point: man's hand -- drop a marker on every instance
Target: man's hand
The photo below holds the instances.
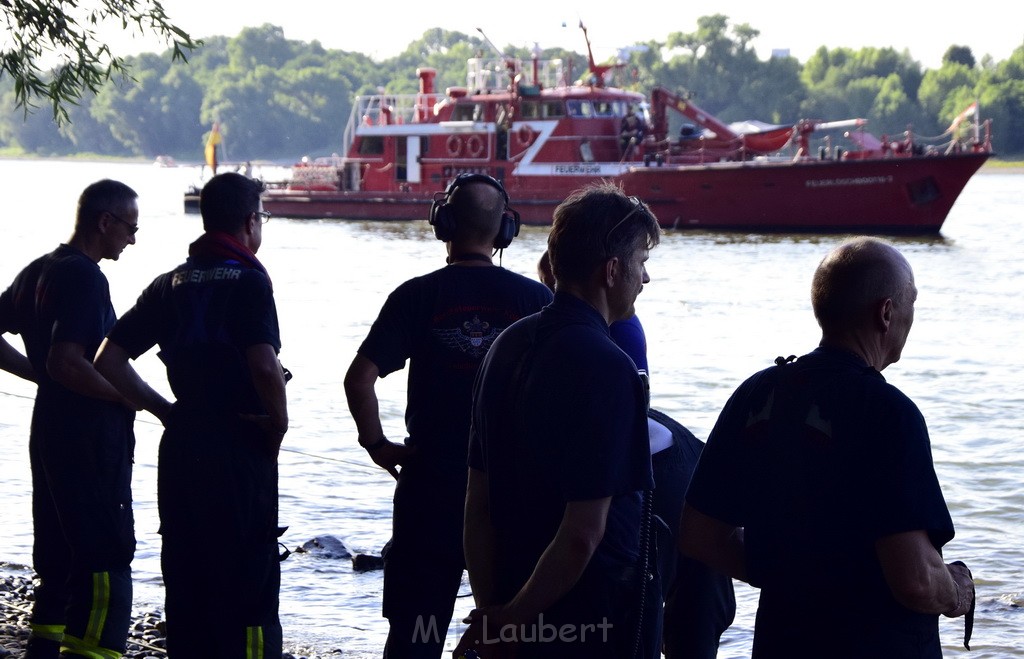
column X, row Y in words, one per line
column 483, row 635
column 273, row 431
column 387, row 454
column 964, row 589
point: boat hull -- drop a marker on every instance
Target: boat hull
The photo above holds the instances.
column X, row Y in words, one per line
column 883, row 195
column 879, row 195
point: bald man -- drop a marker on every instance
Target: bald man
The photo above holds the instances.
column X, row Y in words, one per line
column 817, row 484
column 443, row 323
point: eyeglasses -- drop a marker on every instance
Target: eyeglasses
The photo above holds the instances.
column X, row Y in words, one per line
column 132, row 228
column 264, row 216
column 638, row 207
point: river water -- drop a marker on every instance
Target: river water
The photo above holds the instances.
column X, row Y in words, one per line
column 719, row 306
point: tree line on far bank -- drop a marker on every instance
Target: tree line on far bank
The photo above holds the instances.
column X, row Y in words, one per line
column 279, row 99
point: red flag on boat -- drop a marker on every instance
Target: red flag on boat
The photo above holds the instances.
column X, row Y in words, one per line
column 969, row 112
column 211, row 147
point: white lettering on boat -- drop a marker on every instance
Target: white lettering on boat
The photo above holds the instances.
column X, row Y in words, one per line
column 576, row 169
column 859, row 180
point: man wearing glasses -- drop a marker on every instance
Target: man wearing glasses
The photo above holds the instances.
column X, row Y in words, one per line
column 81, row 441
column 559, row 455
column 215, row 321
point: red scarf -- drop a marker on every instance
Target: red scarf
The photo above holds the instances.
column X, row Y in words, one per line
column 221, row 246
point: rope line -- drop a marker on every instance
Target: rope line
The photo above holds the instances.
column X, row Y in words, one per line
column 351, row 463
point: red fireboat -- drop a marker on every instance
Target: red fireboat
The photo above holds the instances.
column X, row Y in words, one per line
column 543, row 137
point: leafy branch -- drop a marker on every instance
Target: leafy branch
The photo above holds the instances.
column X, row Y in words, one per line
column 39, row 31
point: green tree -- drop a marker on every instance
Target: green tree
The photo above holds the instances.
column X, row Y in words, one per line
column 959, row 55
column 85, row 134
column 892, row 109
column 777, row 91
column 155, row 113
column 264, row 45
column 878, row 84
column 643, row 67
column 441, row 49
column 1000, row 93
column 725, row 77
column 939, row 86
column 38, row 28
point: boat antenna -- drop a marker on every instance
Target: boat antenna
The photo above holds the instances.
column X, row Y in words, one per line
column 596, row 72
column 510, row 63
column 590, row 52
column 491, row 44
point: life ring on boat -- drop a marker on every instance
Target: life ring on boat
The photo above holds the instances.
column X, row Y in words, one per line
column 454, row 145
column 525, row 135
column 474, row 146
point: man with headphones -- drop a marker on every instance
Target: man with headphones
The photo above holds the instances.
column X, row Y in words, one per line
column 443, row 323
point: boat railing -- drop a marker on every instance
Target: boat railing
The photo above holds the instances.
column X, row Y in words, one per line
column 958, row 138
column 963, row 135
column 386, row 109
column 852, row 144
column 696, row 150
column 483, row 75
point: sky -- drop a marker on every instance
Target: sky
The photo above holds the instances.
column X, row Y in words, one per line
column 383, row 29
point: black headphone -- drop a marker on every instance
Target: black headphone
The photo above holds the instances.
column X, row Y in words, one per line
column 442, row 217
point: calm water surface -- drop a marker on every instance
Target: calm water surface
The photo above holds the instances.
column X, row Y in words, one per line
column 719, row 306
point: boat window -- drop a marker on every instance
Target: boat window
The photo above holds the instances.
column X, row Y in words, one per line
column 371, row 145
column 553, row 109
column 468, row 112
column 578, row 108
column 604, row 108
column 529, row 110
column 586, row 152
column 401, row 152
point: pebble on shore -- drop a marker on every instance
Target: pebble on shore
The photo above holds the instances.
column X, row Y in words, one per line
column 145, row 636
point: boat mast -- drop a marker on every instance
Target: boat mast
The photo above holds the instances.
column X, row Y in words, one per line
column 510, row 62
column 596, row 72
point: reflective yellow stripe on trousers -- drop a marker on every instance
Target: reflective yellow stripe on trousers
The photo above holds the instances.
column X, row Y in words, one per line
column 254, row 643
column 49, row 632
column 100, row 607
column 90, row 645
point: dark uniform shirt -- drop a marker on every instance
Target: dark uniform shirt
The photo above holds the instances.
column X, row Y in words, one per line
column 559, row 415
column 444, row 323
column 62, row 296
column 204, row 314
column 817, row 460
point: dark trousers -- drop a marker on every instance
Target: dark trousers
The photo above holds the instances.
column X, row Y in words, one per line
column 83, row 528
column 217, row 487
column 423, row 563
column 221, row 604
column 699, row 603
column 606, row 615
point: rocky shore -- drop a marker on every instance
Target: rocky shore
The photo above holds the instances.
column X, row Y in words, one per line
column 145, row 637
